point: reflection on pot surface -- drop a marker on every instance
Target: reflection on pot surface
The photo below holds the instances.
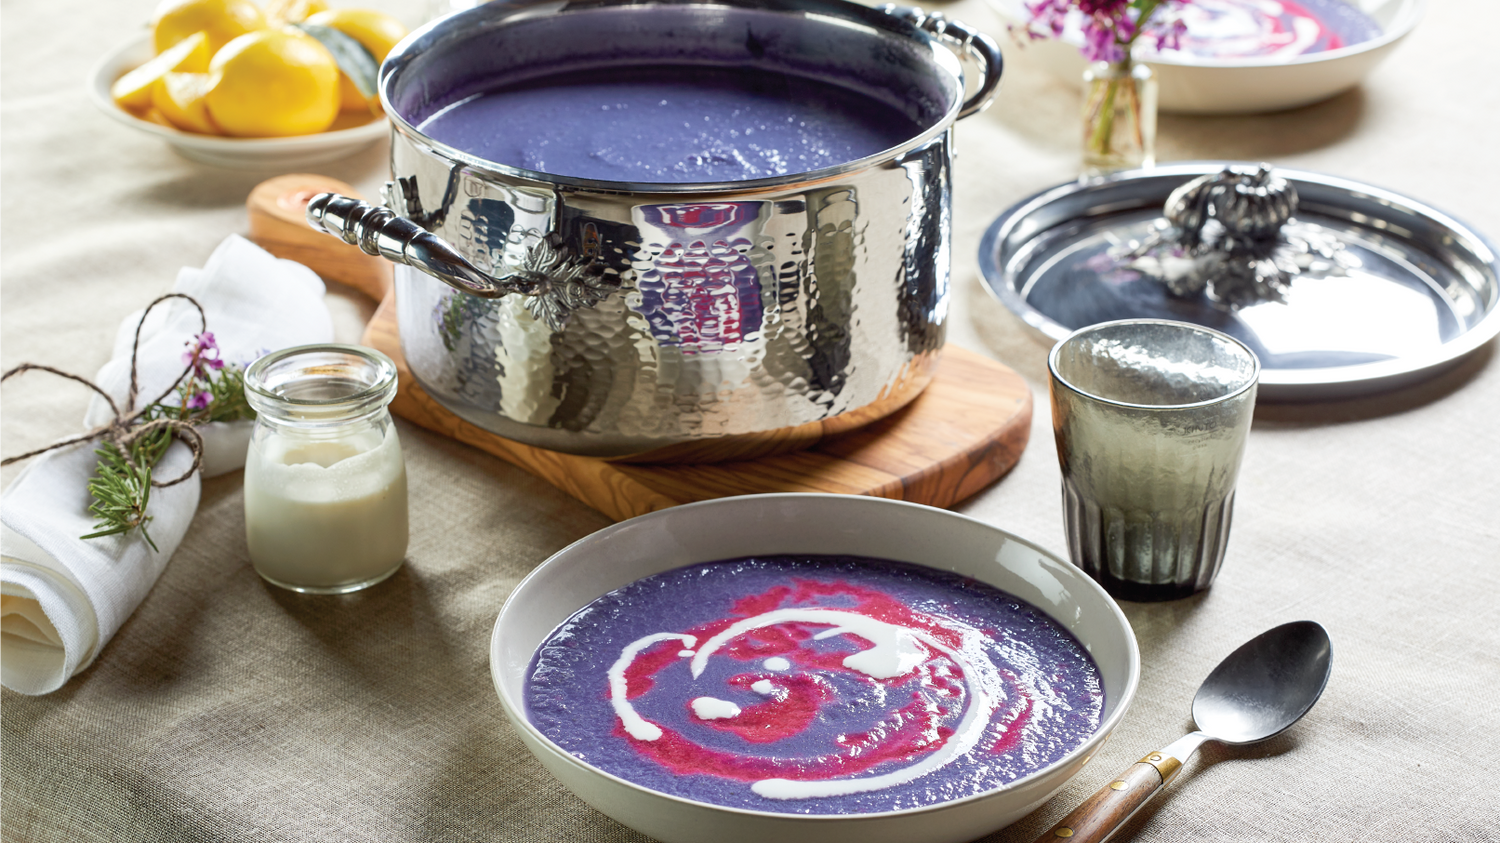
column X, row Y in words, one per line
column 702, row 291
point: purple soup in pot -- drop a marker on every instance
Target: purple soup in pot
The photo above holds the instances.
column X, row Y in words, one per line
column 814, row 685
column 671, row 124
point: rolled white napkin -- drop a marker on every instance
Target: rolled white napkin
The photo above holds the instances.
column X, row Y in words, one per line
column 61, row 597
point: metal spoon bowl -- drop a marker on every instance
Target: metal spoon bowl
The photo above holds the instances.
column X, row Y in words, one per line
column 1255, row 693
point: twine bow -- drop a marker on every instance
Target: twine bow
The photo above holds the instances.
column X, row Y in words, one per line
column 123, row 431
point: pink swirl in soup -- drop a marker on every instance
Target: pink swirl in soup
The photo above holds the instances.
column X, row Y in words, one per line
column 1241, row 29
column 817, row 685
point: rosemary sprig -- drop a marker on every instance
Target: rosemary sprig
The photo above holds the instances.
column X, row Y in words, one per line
column 213, row 391
column 121, row 491
column 227, row 400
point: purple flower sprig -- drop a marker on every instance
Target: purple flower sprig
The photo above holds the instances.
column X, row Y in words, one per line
column 1110, row 27
column 211, row 389
column 202, row 355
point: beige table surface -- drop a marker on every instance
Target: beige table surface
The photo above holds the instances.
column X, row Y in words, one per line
column 228, row 710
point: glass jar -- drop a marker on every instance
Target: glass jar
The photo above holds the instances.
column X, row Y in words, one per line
column 325, row 483
column 1119, row 117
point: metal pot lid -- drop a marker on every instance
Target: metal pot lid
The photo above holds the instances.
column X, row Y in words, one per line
column 1392, row 293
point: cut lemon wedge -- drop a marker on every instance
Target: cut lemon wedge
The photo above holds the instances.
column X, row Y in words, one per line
column 180, row 97
column 154, row 115
column 132, row 91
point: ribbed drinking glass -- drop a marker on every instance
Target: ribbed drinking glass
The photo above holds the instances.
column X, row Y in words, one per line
column 1151, row 418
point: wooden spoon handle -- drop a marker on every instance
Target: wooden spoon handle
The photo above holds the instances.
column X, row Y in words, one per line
column 1099, row 815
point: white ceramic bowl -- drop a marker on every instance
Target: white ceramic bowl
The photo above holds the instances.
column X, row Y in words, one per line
column 807, row 524
column 282, row 154
column 1191, row 85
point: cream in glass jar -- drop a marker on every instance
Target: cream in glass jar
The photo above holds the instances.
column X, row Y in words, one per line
column 325, row 483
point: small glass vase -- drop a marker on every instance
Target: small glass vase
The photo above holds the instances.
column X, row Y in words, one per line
column 1119, row 117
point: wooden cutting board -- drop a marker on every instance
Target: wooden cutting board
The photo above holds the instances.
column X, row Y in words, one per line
column 965, row 431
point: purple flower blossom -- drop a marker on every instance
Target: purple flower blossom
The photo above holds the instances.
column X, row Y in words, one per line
column 1109, row 27
column 1052, row 14
column 201, row 343
column 200, row 400
column 1099, row 44
column 203, row 354
column 1109, row 8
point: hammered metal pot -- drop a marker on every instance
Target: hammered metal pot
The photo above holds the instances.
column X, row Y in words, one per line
column 694, row 322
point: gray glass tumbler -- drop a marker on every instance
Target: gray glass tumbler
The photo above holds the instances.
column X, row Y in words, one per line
column 1151, row 418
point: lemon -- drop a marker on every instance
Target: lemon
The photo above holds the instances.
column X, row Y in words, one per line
column 223, row 20
column 152, row 115
column 180, row 97
column 273, row 83
column 133, row 90
column 282, row 12
column 376, row 32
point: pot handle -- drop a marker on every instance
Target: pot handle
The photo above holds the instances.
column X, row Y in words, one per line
column 965, row 40
column 380, row 231
column 555, row 280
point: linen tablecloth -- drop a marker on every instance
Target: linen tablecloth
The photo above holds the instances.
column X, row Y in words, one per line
column 226, row 709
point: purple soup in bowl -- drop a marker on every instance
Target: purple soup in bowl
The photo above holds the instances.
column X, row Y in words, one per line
column 791, row 628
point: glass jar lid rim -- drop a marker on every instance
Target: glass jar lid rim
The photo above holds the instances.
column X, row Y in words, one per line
column 383, row 382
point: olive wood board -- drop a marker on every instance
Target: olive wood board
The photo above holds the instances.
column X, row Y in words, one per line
column 962, row 433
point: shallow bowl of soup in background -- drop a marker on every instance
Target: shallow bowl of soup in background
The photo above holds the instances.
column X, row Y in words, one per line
column 807, row 525
column 1282, row 79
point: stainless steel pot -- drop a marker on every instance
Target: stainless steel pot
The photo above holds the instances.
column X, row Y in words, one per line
column 672, row 321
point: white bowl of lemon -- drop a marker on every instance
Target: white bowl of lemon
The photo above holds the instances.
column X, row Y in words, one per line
column 229, row 84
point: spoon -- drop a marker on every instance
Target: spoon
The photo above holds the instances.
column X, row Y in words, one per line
column 1255, row 693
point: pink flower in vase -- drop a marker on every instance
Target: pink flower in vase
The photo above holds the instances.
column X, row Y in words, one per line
column 1119, row 120
column 1109, row 27
column 1102, row 7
